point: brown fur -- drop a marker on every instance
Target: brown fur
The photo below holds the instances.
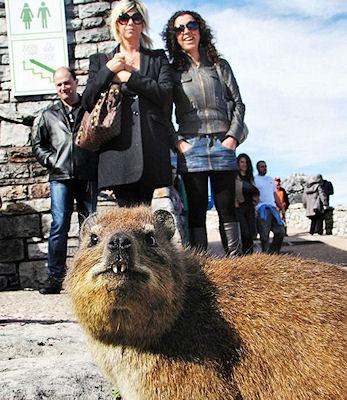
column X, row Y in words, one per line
column 179, row 326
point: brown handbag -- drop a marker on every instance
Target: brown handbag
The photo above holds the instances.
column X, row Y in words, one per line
column 103, row 123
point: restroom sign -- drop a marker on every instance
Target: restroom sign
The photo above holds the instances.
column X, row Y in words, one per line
column 37, row 44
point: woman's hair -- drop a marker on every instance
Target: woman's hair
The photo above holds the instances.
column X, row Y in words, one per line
column 123, row 6
column 249, row 171
column 179, row 58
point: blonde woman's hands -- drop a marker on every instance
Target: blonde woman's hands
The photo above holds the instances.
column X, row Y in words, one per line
column 116, row 63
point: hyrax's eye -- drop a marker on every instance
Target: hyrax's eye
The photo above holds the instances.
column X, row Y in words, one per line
column 151, row 240
column 93, row 240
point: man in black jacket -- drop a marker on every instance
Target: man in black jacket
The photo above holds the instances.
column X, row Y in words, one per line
column 72, row 172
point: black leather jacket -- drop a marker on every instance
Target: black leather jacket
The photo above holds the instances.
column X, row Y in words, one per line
column 54, row 146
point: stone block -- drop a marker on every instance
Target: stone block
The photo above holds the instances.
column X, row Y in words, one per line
column 9, row 112
column 74, row 24
column 3, row 156
column 84, row 50
column 32, row 273
column 18, row 192
column 82, row 79
column 83, row 65
column 14, row 171
column 6, row 85
column 20, row 226
column 94, row 9
column 106, row 47
column 3, row 26
column 39, row 190
column 74, row 227
column 8, row 269
column 38, row 251
column 5, row 59
column 3, row 41
column 11, row 250
column 5, row 74
column 21, row 155
column 37, row 170
column 14, row 134
column 4, row 96
column 32, row 108
column 91, row 35
column 72, row 246
column 39, row 205
column 92, row 22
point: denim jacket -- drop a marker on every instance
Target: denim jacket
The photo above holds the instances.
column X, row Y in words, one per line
column 201, row 107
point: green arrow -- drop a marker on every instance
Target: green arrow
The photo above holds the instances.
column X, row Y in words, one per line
column 49, row 69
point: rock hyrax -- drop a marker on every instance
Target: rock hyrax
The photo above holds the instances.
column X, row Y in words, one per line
column 169, row 324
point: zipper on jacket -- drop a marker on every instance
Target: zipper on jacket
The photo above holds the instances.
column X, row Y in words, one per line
column 204, row 97
column 206, row 117
column 71, row 143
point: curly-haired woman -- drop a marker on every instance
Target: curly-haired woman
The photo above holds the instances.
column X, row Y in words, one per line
column 208, row 133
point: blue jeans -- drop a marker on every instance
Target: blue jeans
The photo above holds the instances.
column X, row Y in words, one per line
column 63, row 194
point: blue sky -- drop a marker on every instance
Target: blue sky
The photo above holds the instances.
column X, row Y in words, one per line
column 290, row 60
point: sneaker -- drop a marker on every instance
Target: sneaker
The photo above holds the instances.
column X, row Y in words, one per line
column 51, row 286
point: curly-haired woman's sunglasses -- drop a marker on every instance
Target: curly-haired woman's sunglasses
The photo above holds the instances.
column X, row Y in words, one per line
column 137, row 18
column 191, row 26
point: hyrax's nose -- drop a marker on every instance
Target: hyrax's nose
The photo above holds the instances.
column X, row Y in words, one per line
column 119, row 241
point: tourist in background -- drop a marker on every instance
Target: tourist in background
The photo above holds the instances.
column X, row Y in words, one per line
column 247, row 196
column 283, row 197
column 316, row 202
column 207, row 136
column 282, row 194
column 72, row 172
column 135, row 163
column 328, row 189
column 268, row 218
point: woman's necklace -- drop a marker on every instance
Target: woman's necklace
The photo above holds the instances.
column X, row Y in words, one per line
column 133, row 59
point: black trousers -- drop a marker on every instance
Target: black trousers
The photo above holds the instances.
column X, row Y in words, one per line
column 317, row 224
column 133, row 194
column 223, row 187
column 246, row 216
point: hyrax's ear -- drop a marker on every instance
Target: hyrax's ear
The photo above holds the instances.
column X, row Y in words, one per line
column 164, row 220
column 87, row 223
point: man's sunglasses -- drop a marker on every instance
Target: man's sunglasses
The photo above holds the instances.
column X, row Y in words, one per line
column 191, row 26
column 137, row 18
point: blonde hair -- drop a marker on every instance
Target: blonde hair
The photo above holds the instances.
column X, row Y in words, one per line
column 124, row 6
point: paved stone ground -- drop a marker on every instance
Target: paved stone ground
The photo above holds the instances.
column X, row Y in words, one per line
column 44, row 354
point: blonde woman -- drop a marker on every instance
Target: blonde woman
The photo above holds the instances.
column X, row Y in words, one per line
column 138, row 161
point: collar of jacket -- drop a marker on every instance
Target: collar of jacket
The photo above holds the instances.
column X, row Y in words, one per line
column 144, row 58
column 58, row 105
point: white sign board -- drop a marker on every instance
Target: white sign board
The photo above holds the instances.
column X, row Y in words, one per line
column 37, row 44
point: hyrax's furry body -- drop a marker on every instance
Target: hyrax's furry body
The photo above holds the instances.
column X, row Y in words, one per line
column 167, row 324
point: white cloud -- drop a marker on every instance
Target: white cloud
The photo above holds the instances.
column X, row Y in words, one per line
column 317, row 8
column 292, row 76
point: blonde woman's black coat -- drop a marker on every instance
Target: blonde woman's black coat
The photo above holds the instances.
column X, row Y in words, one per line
column 141, row 152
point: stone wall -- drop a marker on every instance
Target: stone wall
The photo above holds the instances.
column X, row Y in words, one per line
column 297, row 220
column 24, row 190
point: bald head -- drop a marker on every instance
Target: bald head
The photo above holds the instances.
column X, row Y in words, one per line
column 66, row 85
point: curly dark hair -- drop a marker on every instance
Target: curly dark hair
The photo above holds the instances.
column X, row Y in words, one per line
column 179, row 58
column 249, row 171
